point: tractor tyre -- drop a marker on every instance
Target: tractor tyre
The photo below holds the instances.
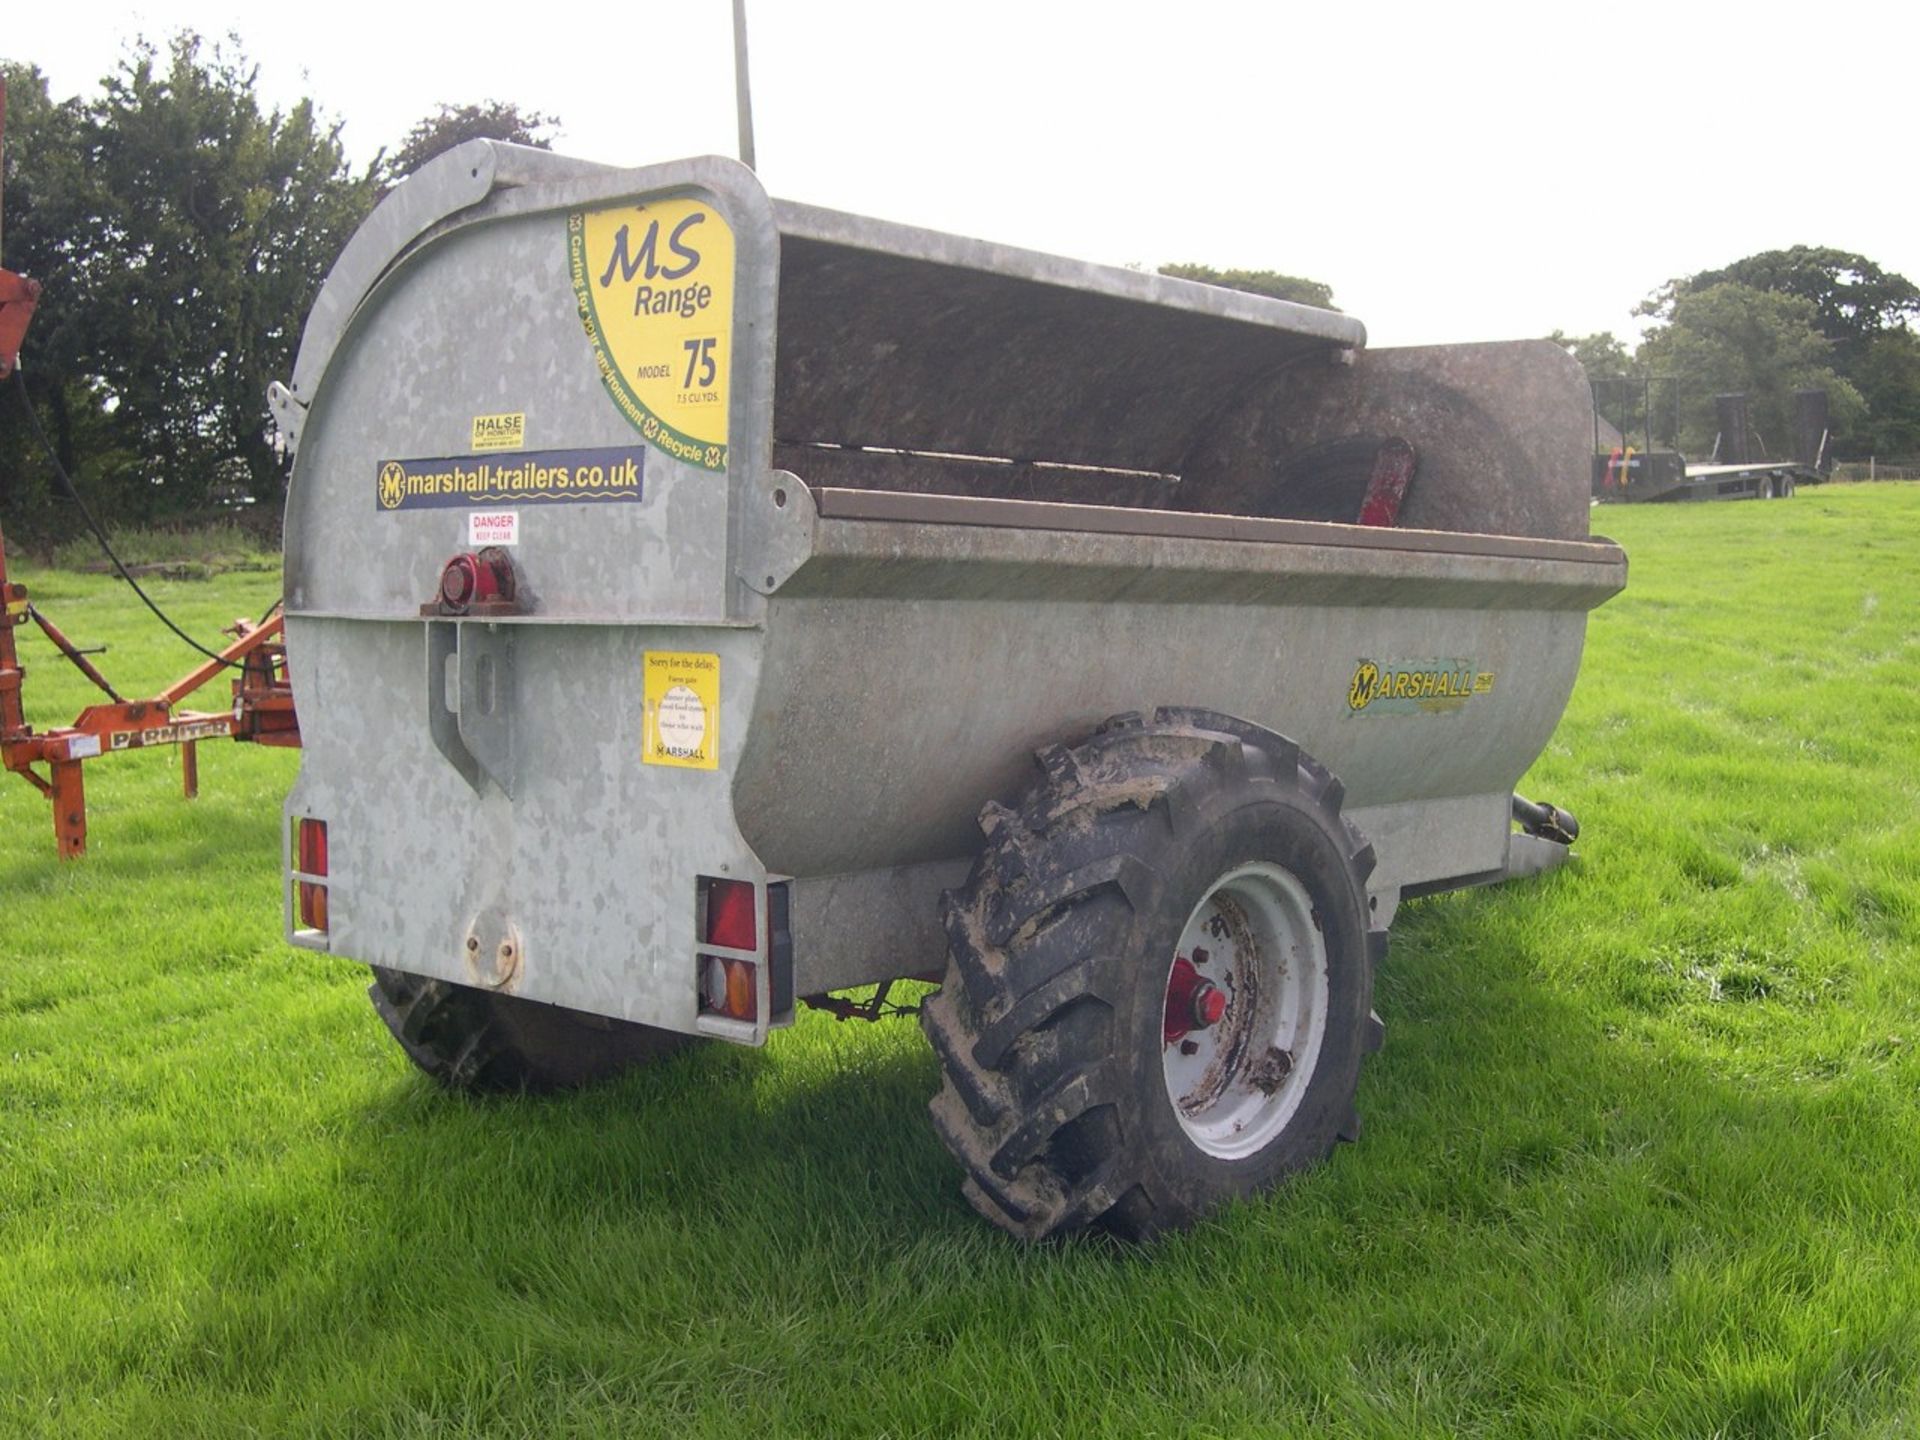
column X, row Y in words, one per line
column 1159, row 983
column 472, row 1039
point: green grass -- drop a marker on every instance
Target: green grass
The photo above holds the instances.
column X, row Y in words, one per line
column 1641, row 1152
column 193, row 551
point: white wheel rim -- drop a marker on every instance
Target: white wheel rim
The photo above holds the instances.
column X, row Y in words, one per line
column 1237, row 1083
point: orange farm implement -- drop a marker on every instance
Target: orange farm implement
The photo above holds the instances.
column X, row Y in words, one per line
column 262, row 711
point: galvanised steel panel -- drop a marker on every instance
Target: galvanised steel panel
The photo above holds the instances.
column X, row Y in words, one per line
column 911, row 712
column 591, row 864
column 880, row 677
column 428, row 351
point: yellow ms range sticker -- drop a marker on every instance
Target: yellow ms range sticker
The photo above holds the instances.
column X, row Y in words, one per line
column 655, row 287
column 681, row 718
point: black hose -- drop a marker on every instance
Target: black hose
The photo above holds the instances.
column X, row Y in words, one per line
column 66, row 483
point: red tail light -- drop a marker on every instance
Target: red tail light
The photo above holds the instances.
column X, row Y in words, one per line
column 310, row 858
column 730, row 918
column 727, row 986
column 730, row 914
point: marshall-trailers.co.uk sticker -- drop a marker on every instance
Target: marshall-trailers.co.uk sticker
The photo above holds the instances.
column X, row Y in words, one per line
column 533, row 477
column 680, row 724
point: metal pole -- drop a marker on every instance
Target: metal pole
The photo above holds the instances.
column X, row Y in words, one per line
column 67, row 648
column 742, row 95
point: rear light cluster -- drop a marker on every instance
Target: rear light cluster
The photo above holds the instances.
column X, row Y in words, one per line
column 310, row 866
column 729, row 919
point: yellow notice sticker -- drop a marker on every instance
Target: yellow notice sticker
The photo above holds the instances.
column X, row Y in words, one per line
column 499, row 432
column 654, row 284
column 680, row 724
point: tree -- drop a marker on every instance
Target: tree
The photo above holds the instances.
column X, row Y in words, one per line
column 1623, row 393
column 183, row 249
column 1863, row 312
column 1601, row 355
column 453, row 125
column 1889, row 379
column 1258, row 282
column 1730, row 338
column 42, row 173
column 215, row 225
column 1854, row 300
column 46, row 196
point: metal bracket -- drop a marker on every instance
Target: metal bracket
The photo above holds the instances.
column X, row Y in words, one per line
column 1530, row 855
column 289, row 415
column 470, row 713
column 776, row 530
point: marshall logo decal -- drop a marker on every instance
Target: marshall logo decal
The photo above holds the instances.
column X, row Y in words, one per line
column 1415, row 687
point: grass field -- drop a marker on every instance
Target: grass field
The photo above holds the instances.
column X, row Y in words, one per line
column 1641, row 1152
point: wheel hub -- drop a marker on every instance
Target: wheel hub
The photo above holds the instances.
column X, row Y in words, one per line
column 1245, row 1010
column 1193, row 1002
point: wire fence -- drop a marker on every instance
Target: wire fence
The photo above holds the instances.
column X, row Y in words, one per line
column 1877, row 469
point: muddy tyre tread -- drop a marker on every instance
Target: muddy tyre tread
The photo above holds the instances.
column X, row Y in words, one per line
column 1033, row 1098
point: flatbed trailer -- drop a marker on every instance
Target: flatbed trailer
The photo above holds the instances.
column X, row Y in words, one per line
column 1665, row 477
column 1764, row 481
column 1628, row 474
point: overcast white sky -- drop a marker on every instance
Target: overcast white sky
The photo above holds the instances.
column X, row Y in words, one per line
column 1456, row 172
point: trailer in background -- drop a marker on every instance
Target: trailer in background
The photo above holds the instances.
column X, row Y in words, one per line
column 1737, row 469
column 1633, row 477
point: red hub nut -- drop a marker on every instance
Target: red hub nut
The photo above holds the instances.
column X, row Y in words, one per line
column 1193, row 1002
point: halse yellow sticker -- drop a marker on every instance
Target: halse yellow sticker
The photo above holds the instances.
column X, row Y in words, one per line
column 654, row 283
column 499, row 432
column 680, row 721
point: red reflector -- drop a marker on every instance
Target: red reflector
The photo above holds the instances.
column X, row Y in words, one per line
column 1393, row 465
column 730, row 914
column 311, row 859
column 459, row 582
